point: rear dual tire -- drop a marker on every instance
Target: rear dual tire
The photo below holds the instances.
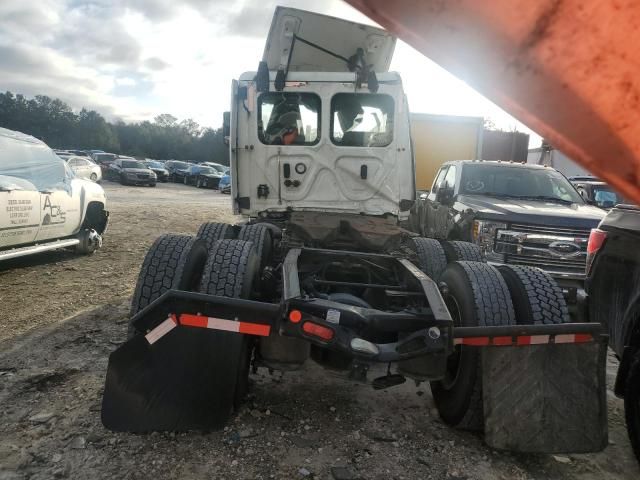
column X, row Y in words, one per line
column 479, row 294
column 231, row 271
column 211, row 232
column 456, row 250
column 476, row 295
column 430, row 257
column 172, row 262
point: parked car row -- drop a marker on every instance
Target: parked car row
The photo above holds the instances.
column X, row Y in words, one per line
column 129, row 171
column 97, row 164
column 81, row 164
column 596, row 192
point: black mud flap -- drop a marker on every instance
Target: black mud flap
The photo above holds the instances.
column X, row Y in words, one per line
column 185, row 380
column 548, row 398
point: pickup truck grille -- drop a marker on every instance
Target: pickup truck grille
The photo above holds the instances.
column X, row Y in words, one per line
column 560, row 251
column 143, row 176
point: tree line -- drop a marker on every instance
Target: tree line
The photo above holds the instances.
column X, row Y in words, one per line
column 55, row 123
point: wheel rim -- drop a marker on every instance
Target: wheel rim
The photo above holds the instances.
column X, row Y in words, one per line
column 453, row 361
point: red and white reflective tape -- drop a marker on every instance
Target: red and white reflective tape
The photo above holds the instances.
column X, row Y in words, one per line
column 213, row 323
column 227, row 325
column 521, row 340
column 161, row 330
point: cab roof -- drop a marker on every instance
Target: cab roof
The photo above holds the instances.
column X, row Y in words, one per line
column 20, row 137
column 505, row 163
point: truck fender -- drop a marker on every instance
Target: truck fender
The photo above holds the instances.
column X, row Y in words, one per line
column 628, row 354
column 631, row 325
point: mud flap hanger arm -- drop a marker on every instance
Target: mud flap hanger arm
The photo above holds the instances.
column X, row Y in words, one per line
column 177, row 302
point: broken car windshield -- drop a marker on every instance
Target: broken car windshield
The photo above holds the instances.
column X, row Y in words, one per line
column 517, row 182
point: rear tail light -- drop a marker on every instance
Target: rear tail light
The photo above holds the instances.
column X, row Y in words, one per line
column 295, row 316
column 596, row 240
column 320, row 331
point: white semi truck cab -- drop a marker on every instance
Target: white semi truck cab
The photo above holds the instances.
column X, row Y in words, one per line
column 322, row 270
column 322, row 126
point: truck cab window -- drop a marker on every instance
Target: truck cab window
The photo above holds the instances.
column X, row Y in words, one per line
column 361, row 120
column 450, row 178
column 437, row 183
column 39, row 168
column 289, row 118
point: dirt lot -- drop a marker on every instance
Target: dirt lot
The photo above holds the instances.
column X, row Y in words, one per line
column 63, row 315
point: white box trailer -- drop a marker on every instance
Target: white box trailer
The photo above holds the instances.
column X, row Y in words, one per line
column 558, row 160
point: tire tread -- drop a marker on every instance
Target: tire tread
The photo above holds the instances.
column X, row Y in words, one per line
column 546, row 303
column 431, row 256
column 210, row 232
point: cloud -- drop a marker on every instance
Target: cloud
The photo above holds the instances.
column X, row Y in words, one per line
column 38, row 71
column 155, row 63
column 135, row 58
column 95, row 33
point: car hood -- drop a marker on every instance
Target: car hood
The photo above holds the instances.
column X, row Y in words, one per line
column 531, row 211
column 211, row 175
column 158, row 170
column 136, row 170
column 91, row 190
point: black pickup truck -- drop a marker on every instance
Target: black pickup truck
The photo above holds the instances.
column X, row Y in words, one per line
column 613, row 285
column 517, row 213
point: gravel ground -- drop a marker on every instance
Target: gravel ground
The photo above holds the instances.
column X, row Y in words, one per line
column 54, row 346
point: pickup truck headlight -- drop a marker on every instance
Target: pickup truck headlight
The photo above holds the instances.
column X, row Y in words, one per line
column 153, row 175
column 484, row 233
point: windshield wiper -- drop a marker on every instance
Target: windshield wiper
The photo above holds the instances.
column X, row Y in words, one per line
column 547, row 198
column 493, row 194
column 524, row 197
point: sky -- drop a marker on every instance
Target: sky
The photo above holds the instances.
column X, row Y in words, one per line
column 135, row 59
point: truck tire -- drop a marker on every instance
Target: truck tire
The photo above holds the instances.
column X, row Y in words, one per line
column 431, row 256
column 90, row 241
column 632, row 405
column 230, row 272
column 462, row 251
column 262, row 241
column 477, row 296
column 211, row 232
column 537, row 298
column 173, row 261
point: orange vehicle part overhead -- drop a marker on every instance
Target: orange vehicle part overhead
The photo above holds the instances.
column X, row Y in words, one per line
column 568, row 69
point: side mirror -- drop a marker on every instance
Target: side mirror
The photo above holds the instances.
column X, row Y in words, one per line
column 445, row 195
column 262, row 77
column 226, row 124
